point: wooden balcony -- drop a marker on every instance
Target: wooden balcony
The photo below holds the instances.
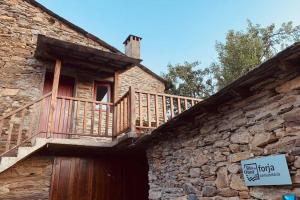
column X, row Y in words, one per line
column 60, row 117
column 135, row 112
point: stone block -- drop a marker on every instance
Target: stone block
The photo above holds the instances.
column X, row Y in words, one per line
column 289, row 85
column 240, row 137
column 237, row 183
column 240, row 156
column 297, row 162
column 222, row 180
column 194, row 172
column 197, row 160
column 234, row 168
column 227, row 192
column 9, row 92
column 263, row 139
column 209, row 191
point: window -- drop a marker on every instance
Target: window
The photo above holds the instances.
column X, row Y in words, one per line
column 102, row 92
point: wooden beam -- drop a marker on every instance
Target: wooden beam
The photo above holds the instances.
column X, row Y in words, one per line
column 54, row 97
column 115, row 97
column 116, row 86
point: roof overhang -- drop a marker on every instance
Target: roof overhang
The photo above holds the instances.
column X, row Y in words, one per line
column 82, row 56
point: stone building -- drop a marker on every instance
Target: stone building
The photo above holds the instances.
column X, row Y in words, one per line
column 70, row 107
column 79, row 119
column 197, row 154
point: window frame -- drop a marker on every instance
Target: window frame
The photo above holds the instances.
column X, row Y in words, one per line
column 109, row 91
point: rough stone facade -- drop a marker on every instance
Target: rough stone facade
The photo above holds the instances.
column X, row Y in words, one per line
column 201, row 159
column 140, row 80
column 21, row 75
column 22, row 79
column 31, row 179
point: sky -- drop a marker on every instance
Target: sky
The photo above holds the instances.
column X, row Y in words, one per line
column 173, row 31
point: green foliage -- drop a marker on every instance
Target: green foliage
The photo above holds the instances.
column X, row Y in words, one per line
column 241, row 52
column 188, row 80
column 244, row 51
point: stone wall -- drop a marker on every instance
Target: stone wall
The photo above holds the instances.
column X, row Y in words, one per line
column 201, row 159
column 140, row 80
column 30, row 179
column 21, row 75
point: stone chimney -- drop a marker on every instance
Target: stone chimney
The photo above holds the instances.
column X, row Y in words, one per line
column 132, row 46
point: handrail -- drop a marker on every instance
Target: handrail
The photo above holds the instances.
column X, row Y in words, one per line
column 25, row 106
column 20, row 120
column 85, row 100
column 122, row 97
column 169, row 95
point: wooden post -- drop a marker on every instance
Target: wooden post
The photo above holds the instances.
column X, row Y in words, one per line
column 132, row 118
column 116, row 86
column 54, row 98
column 115, row 97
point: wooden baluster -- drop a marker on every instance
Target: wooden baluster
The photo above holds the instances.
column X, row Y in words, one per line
column 185, row 104
column 47, row 117
column 107, row 119
column 114, row 122
column 193, row 102
column 131, row 105
column 128, row 113
column 84, row 118
column 31, row 122
column 100, row 119
column 42, row 106
column 9, row 134
column 156, row 110
column 124, row 113
column 179, row 105
column 172, row 107
column 164, row 108
column 1, row 126
column 76, row 116
column 21, row 126
column 69, row 122
column 118, row 118
column 92, row 118
column 121, row 115
column 148, row 110
column 140, row 109
column 61, row 118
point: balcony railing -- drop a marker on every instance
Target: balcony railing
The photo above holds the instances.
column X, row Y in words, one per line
column 135, row 111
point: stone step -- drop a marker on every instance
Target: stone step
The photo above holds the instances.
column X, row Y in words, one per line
column 23, row 152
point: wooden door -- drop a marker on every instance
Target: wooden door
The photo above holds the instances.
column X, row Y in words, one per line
column 101, row 178
column 61, row 116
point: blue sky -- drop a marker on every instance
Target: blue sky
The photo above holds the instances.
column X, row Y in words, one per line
column 173, row 31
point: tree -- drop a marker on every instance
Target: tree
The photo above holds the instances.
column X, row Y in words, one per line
column 189, row 80
column 244, row 50
column 241, row 52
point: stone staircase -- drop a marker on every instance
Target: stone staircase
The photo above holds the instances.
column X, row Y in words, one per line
column 22, row 153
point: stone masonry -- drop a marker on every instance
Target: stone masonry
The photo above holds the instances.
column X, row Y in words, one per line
column 21, row 75
column 30, row 179
column 140, row 80
column 22, row 79
column 201, row 160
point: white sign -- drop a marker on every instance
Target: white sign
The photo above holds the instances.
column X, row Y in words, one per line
column 269, row 170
